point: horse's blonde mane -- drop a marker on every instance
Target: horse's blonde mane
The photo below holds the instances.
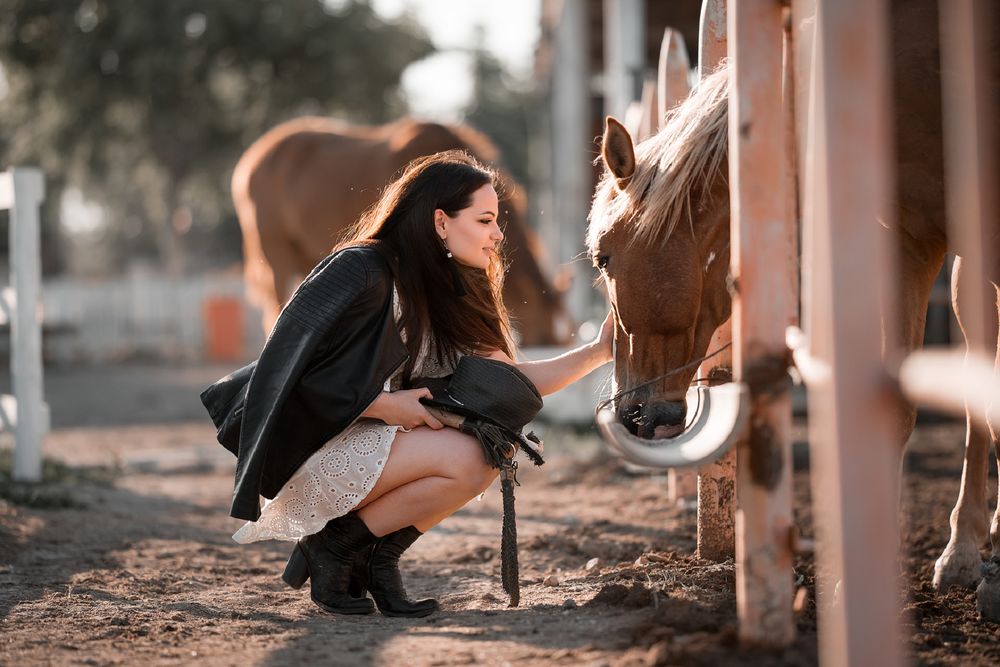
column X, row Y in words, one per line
column 686, row 154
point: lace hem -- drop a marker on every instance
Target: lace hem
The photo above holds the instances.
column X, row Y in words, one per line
column 329, row 484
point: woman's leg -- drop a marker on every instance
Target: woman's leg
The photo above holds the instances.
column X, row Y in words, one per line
column 429, row 475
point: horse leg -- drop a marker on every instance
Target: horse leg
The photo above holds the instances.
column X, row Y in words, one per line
column 988, row 591
column 918, row 266
column 995, row 524
column 272, row 263
column 287, row 270
column 959, row 564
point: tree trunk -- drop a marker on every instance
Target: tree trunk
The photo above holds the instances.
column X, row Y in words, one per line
column 172, row 230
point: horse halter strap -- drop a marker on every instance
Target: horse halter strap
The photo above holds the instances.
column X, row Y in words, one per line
column 674, row 371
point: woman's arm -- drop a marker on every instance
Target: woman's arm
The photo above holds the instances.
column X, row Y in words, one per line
column 551, row 375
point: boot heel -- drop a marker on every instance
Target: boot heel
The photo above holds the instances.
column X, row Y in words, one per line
column 296, row 569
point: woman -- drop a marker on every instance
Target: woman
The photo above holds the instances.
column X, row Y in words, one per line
column 326, row 423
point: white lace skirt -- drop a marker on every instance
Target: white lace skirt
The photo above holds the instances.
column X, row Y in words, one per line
column 329, row 484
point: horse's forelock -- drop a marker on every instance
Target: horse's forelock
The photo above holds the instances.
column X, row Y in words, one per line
column 605, row 210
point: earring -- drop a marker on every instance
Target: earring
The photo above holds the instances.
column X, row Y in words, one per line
column 456, row 276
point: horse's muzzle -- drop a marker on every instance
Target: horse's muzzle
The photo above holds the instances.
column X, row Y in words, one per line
column 664, row 419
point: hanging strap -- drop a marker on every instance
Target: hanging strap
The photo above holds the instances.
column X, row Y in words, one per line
column 509, row 570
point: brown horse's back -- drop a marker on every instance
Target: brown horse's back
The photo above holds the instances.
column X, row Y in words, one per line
column 301, row 185
column 918, row 137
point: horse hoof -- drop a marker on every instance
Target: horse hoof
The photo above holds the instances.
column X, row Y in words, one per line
column 957, row 567
column 988, row 591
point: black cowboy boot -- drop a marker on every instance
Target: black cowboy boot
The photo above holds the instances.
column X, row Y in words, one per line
column 327, row 558
column 382, row 576
column 356, row 586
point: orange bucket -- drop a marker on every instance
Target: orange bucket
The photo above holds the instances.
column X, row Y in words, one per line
column 223, row 317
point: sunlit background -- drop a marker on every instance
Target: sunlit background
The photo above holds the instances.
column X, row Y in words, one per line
column 136, row 115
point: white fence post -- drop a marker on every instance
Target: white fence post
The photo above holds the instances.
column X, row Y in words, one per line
column 22, row 191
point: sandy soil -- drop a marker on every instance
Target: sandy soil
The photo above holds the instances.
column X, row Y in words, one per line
column 141, row 569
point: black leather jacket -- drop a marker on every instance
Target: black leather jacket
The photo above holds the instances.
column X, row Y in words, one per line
column 326, row 360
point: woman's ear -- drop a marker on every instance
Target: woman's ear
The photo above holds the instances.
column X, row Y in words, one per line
column 439, row 218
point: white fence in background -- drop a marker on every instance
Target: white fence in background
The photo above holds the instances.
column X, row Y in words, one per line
column 146, row 316
column 141, row 315
column 25, row 412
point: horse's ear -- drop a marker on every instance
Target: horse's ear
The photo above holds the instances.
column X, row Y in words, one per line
column 617, row 151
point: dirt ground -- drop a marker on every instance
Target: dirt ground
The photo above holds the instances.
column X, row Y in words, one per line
column 125, row 557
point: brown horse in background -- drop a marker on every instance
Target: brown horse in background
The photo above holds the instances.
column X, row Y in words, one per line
column 660, row 234
column 303, row 183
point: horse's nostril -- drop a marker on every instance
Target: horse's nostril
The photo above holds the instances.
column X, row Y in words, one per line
column 664, row 420
column 631, row 417
column 646, row 420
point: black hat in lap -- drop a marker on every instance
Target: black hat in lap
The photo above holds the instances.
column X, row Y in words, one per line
column 496, row 401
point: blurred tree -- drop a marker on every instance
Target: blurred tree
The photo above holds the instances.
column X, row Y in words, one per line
column 146, row 107
column 503, row 108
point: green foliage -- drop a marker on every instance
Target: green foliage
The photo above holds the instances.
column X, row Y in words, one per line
column 147, row 106
column 503, row 109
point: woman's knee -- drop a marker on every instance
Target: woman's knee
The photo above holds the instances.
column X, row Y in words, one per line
column 468, row 467
column 479, row 477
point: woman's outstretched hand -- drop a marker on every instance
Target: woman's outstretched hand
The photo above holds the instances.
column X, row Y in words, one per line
column 551, row 375
column 403, row 408
column 606, row 339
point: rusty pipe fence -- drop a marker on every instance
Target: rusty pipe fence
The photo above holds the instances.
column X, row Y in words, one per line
column 810, row 131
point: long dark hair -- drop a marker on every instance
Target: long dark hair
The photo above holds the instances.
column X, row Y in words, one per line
column 401, row 225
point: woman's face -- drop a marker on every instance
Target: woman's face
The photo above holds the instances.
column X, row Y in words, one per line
column 473, row 234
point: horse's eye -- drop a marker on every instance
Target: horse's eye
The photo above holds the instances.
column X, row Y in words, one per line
column 602, row 262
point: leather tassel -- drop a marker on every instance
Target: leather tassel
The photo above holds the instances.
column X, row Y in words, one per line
column 509, row 569
column 497, row 446
column 456, row 276
column 531, row 443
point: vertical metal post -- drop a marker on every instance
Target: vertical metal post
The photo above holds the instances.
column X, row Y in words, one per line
column 624, row 54
column 761, row 307
column 649, row 103
column 26, row 189
column 852, row 432
column 713, row 43
column 673, row 72
column 716, row 481
column 571, row 156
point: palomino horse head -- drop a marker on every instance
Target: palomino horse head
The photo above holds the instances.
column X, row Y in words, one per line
column 659, row 235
